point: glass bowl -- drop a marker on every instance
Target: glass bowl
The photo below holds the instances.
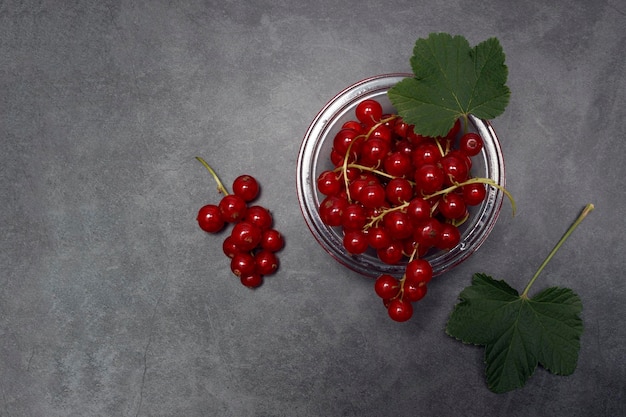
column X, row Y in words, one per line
column 313, row 158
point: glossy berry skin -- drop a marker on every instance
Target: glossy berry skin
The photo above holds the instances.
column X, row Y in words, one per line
column 266, row 262
column 400, row 310
column 392, row 253
column 474, row 194
column 369, row 112
column 272, row 240
column 331, row 210
column 260, row 217
column 229, row 247
column 449, row 237
column 253, row 280
column 210, row 219
column 452, row 206
column 372, row 196
column 246, row 187
column 471, row 144
column 242, row 264
column 398, row 224
column 386, row 286
column 246, row 236
column 414, row 291
column 455, row 169
column 329, row 183
column 354, row 217
column 429, row 178
column 378, row 237
column 398, row 191
column 232, row 208
column 419, row 270
column 355, row 242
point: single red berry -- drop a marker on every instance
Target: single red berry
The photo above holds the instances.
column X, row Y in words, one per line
column 355, row 241
column 426, row 153
column 452, row 206
column 399, row 191
column 419, row 210
column 449, row 237
column 471, row 144
column 386, row 286
column 246, row 236
column 373, row 152
column 369, row 112
column 398, row 224
column 246, row 187
column 229, row 247
column 354, row 217
column 266, row 262
column 392, row 253
column 400, row 310
column 232, row 208
column 378, row 237
column 372, row 196
column 331, row 210
column 329, row 183
column 253, row 280
column 414, row 291
column 210, row 219
column 474, row 194
column 272, row 240
column 429, row 178
column 455, row 169
column 419, row 270
column 242, row 264
column 259, row 216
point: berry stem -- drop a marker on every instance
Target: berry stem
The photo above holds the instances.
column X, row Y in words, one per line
column 220, row 187
column 480, row 180
column 588, row 209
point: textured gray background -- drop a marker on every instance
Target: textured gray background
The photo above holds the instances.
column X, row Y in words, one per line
column 114, row 303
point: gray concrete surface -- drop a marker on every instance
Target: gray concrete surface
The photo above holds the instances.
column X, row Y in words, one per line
column 114, row 303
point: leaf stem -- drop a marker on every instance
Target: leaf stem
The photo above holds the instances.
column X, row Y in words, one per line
column 588, row 208
column 220, row 186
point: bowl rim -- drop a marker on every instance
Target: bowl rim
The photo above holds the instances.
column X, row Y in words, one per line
column 485, row 223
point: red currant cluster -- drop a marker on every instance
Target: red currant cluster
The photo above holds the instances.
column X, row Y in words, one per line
column 400, row 195
column 252, row 243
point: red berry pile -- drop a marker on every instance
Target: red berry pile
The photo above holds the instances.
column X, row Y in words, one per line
column 253, row 242
column 399, row 195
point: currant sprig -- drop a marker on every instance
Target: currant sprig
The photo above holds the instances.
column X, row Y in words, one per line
column 253, row 242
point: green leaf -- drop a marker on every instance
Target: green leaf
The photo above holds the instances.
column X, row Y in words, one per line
column 518, row 332
column 452, row 80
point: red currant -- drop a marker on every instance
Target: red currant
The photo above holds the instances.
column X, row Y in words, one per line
column 210, row 219
column 272, row 240
column 260, row 217
column 452, row 206
column 246, row 187
column 471, row 144
column 369, row 112
column 474, row 193
column 449, row 237
column 242, row 264
column 386, row 286
column 246, row 236
column 232, row 208
column 329, row 183
column 400, row 310
column 398, row 191
column 253, row 280
column 355, row 242
column 414, row 291
column 331, row 210
column 419, row 270
column 429, row 178
column 266, row 262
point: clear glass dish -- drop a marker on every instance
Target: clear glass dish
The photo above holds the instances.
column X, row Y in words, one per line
column 313, row 158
